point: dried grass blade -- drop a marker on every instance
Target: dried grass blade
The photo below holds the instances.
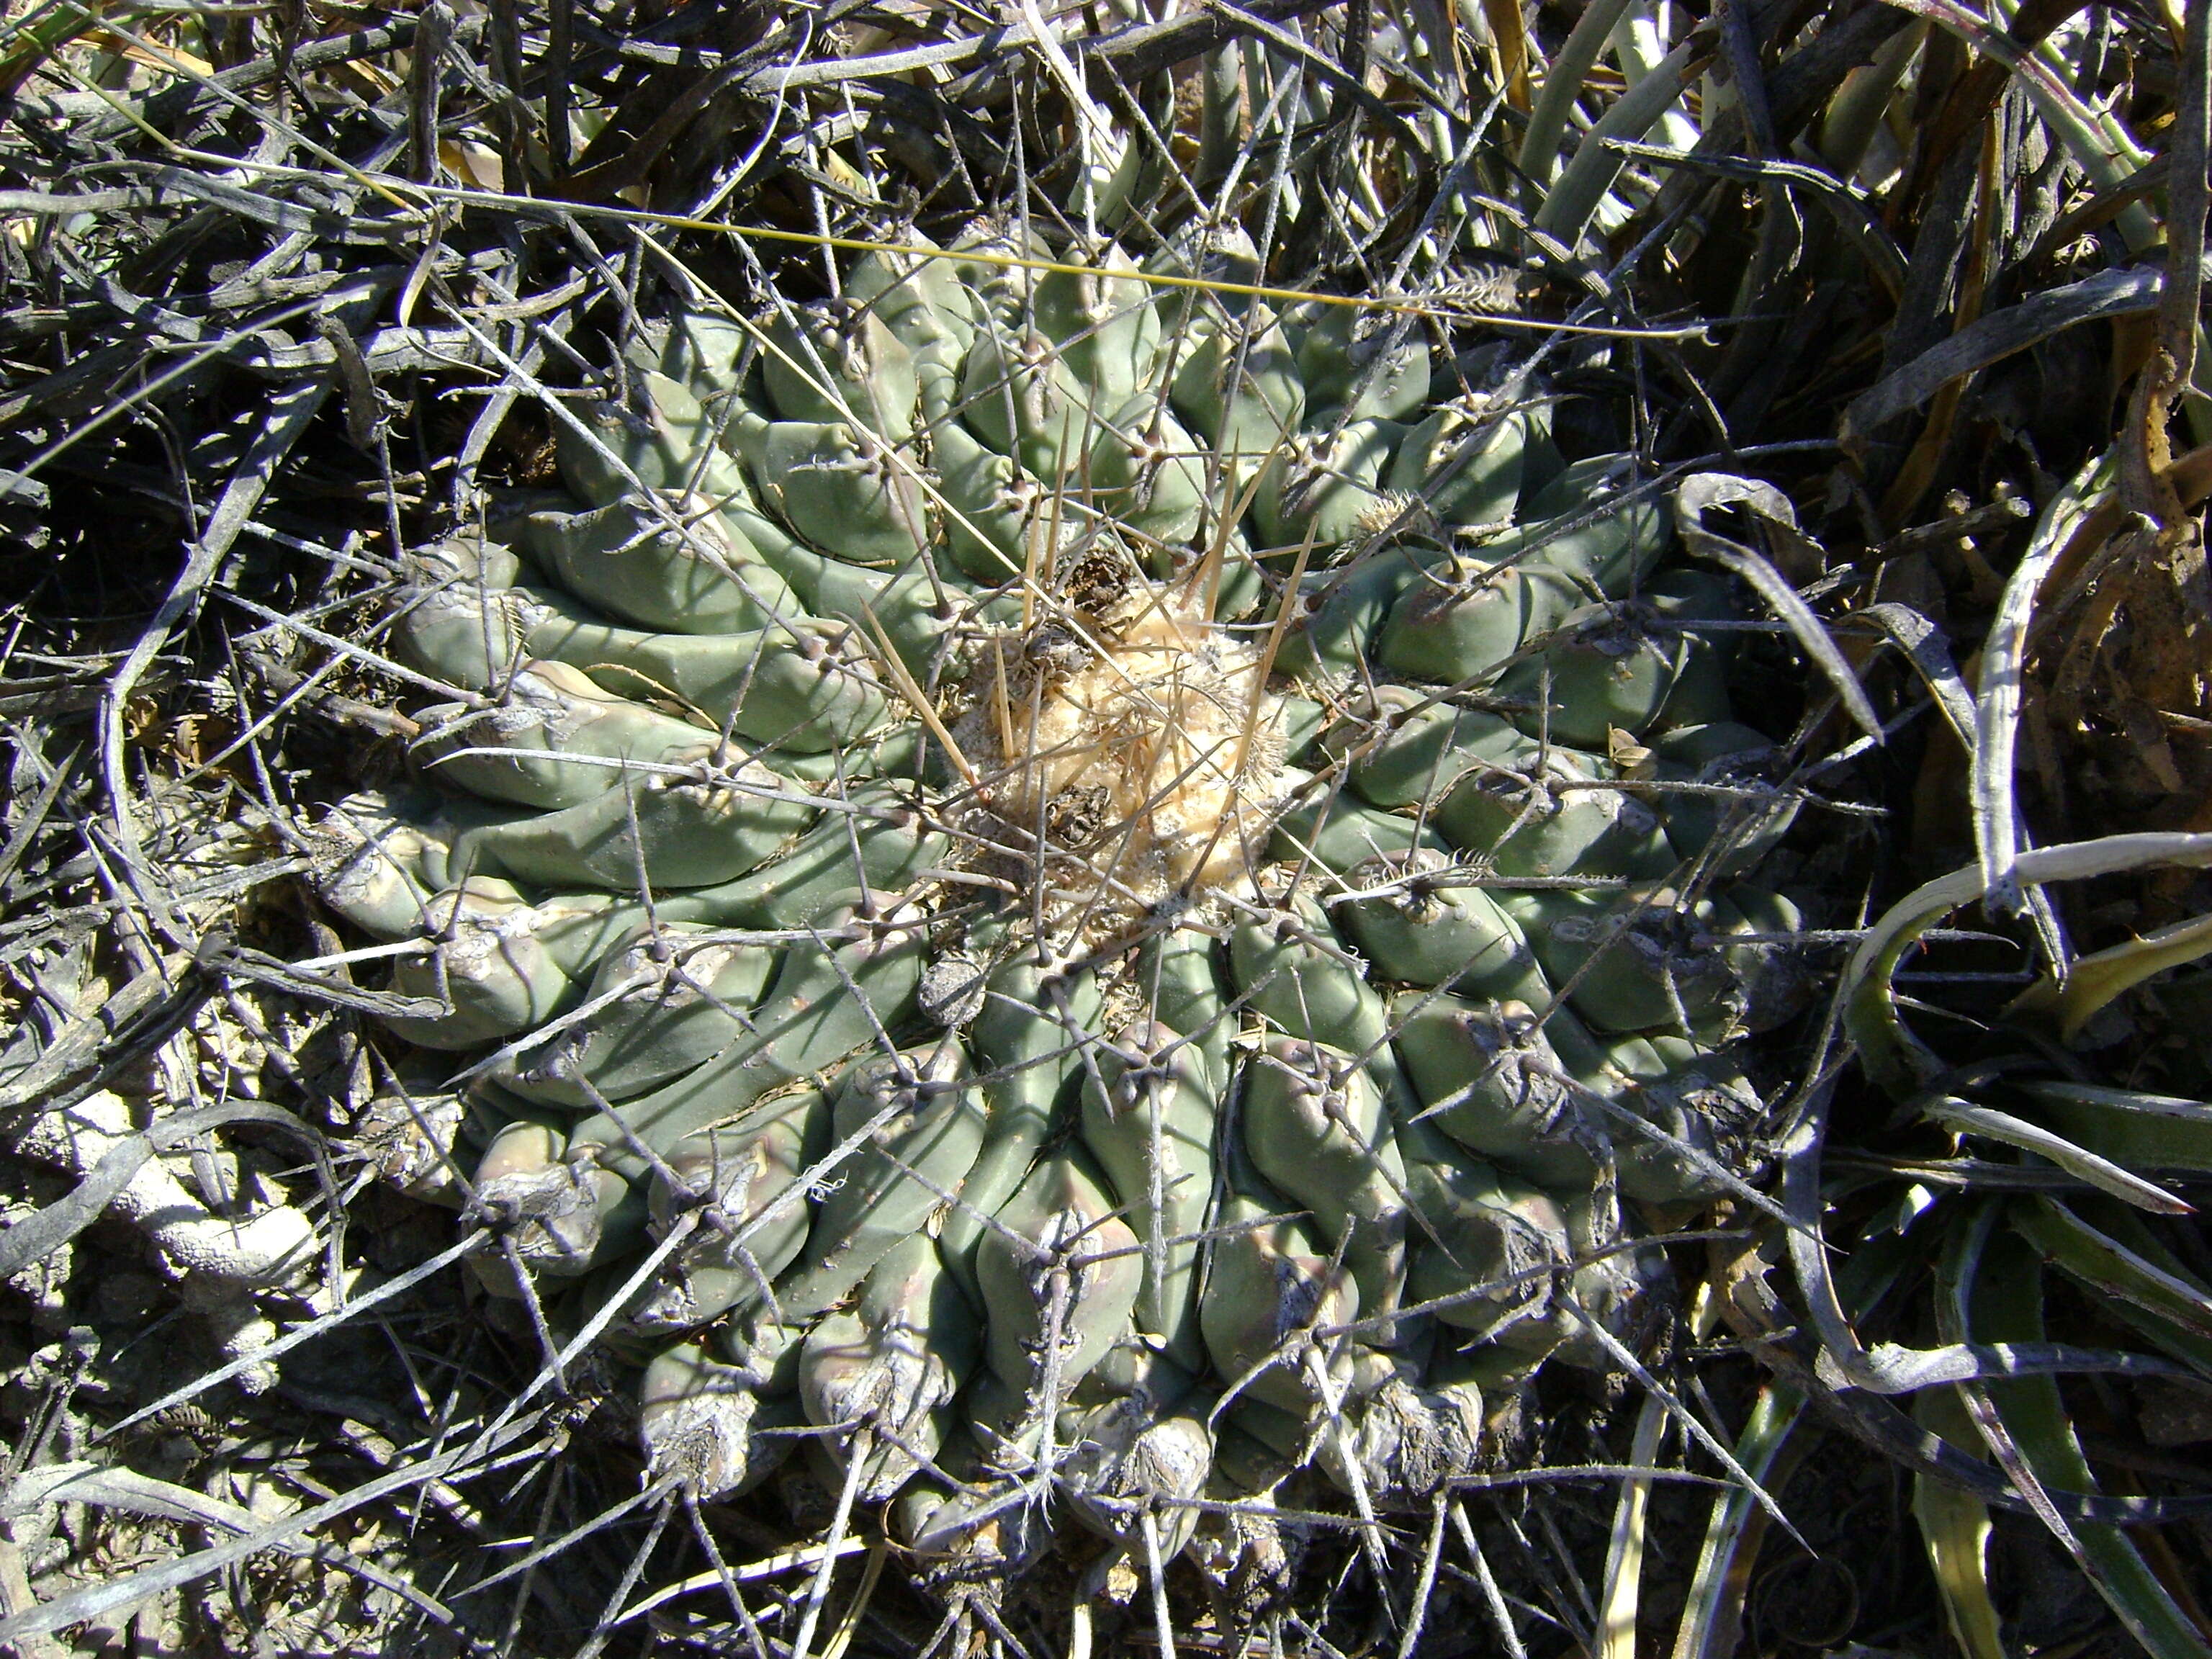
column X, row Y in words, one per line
column 1712, row 1616
column 1991, row 338
column 2132, row 1271
column 2005, row 1299
column 2093, row 982
column 1954, row 1529
column 1870, row 1001
column 2099, row 1172
column 1574, row 196
column 1624, row 1556
column 80, row 1606
column 1997, row 717
column 1700, row 493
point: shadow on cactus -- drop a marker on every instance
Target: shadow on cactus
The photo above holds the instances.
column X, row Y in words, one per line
column 1042, row 884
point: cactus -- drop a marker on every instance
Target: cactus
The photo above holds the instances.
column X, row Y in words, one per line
column 1157, row 895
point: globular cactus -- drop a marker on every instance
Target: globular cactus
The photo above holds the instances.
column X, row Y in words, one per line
column 1156, row 892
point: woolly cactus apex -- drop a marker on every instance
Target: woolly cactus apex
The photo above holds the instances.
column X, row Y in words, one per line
column 1130, row 764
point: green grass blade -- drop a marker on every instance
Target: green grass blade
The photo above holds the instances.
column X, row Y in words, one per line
column 1712, row 1616
column 2141, row 1131
column 2099, row 1172
column 2006, row 1302
column 2135, row 1277
column 1954, row 1527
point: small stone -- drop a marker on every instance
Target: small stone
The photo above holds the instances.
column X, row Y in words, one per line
column 951, row 992
column 1122, row 1582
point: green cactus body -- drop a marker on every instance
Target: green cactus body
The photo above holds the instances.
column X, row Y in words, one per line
column 665, row 561
column 1489, row 1237
column 683, row 832
column 796, row 689
column 749, row 1232
column 663, row 1003
column 1423, row 917
column 1024, row 1044
column 825, row 1002
column 1058, row 1280
column 552, row 1208
column 554, row 738
column 1131, row 876
column 708, row 1425
column 892, row 1364
column 1274, row 1302
column 377, row 858
column 1316, row 1127
column 1148, row 1118
column 1403, row 748
column 490, row 967
column 922, row 1132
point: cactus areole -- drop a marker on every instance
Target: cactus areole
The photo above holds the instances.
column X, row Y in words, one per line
column 1142, row 896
